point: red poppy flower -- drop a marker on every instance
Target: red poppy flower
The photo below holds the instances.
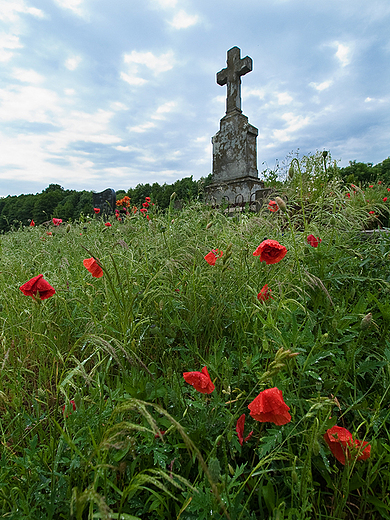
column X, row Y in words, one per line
column 240, row 430
column 371, row 186
column 57, row 221
column 32, row 223
column 384, row 199
column 49, row 233
column 313, row 241
column 340, row 440
column 269, row 406
column 73, row 406
column 37, row 285
column 388, row 189
column 147, row 199
column 379, row 182
column 212, row 256
column 348, row 195
column 371, row 212
column 145, row 205
column 264, row 294
column 162, row 432
column 147, row 216
column 93, row 267
column 96, row 210
column 270, row 252
column 108, row 224
column 273, row 206
column 200, row 381
column 143, row 211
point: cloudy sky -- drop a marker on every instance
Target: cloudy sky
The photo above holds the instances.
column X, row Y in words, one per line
column 113, row 93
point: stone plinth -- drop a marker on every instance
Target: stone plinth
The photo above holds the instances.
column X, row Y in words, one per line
column 234, row 149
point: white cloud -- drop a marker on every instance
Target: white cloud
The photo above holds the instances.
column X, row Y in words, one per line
column 28, row 103
column 133, row 79
column 73, row 63
column 27, row 76
column 343, row 53
column 10, row 10
column 253, row 92
column 73, row 5
column 117, row 105
column 69, row 91
column 294, row 123
column 183, row 20
column 164, row 109
column 284, row 98
column 164, row 4
column 321, row 86
column 8, row 42
column 146, row 60
column 139, row 129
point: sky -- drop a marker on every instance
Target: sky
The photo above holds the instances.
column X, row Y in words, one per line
column 113, row 93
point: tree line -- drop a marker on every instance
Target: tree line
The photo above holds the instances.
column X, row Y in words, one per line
column 72, row 205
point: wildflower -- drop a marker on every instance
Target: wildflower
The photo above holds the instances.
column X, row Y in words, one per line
column 57, row 221
column 313, row 241
column 384, row 199
column 93, row 267
column 49, row 233
column 212, row 256
column 379, row 182
column 340, row 441
column 272, row 206
column 143, row 211
column 158, row 435
column 348, row 195
column 264, row 294
column 73, row 406
column 270, row 252
column 388, row 189
column 371, row 212
column 200, row 381
column 96, row 210
column 240, row 430
column 32, row 223
column 145, row 204
column 280, row 202
column 108, row 224
column 147, row 199
column 269, row 406
column 147, row 216
column 371, row 186
column 37, row 285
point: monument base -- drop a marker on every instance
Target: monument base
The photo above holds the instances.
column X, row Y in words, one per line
column 238, row 191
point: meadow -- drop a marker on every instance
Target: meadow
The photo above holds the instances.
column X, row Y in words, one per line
column 97, row 420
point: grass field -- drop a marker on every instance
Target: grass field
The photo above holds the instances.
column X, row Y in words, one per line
column 97, row 420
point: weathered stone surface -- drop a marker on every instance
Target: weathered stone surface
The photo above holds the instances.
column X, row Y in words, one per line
column 234, row 149
column 105, row 200
column 235, row 145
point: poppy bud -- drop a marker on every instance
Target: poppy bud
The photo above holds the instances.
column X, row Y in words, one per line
column 366, row 321
column 291, row 172
column 280, row 202
column 68, row 228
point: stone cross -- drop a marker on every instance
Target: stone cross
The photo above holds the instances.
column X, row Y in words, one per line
column 231, row 76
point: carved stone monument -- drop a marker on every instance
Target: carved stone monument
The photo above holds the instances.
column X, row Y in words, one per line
column 105, row 201
column 235, row 176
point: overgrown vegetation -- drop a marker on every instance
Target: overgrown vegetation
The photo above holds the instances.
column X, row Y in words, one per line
column 97, row 420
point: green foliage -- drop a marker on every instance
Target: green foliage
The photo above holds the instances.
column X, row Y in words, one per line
column 139, row 441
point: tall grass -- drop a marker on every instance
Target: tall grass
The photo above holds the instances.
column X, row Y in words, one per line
column 142, row 443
